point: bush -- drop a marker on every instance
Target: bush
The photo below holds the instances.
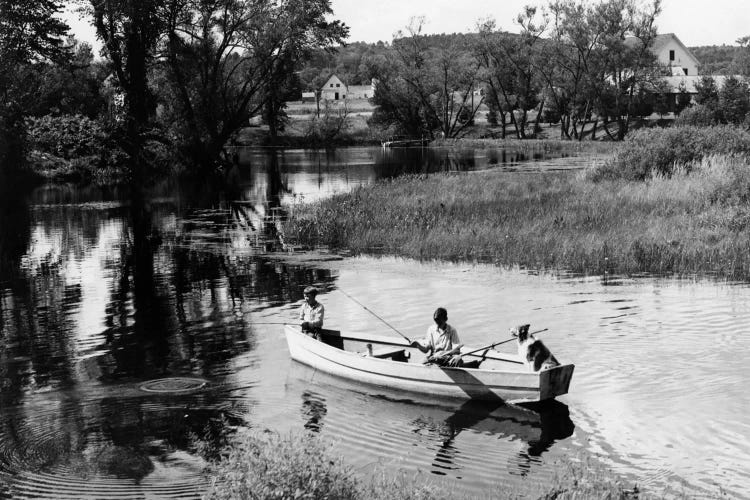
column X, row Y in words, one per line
column 658, row 151
column 699, row 115
column 269, row 466
column 75, row 147
column 66, row 136
column 266, row 466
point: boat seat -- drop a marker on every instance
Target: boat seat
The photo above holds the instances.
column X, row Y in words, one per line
column 394, row 353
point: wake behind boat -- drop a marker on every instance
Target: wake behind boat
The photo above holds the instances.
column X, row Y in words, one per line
column 392, row 363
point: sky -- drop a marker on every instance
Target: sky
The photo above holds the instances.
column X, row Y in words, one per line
column 695, row 22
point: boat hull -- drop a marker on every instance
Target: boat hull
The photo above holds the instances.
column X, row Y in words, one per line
column 511, row 386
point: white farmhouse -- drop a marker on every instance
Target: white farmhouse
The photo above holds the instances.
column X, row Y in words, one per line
column 671, row 52
column 336, row 90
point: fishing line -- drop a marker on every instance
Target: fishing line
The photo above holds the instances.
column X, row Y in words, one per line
column 381, row 319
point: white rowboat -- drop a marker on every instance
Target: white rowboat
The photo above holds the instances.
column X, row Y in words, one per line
column 393, row 365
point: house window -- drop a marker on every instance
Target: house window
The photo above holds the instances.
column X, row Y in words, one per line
column 671, row 55
column 685, row 70
column 338, row 85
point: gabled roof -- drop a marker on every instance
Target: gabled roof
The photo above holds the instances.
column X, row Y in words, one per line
column 661, row 41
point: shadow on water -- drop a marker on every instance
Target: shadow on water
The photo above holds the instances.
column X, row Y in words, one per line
column 538, row 428
column 460, row 440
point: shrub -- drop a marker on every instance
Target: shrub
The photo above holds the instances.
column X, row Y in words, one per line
column 66, row 136
column 269, row 466
column 266, row 465
column 658, row 151
column 75, row 147
column 699, row 115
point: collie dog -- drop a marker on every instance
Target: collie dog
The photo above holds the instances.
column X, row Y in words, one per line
column 532, row 350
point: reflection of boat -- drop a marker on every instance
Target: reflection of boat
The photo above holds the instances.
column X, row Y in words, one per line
column 387, row 362
column 480, row 442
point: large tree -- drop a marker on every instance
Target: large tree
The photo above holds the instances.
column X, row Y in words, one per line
column 436, row 79
column 227, row 59
column 30, row 33
column 734, row 100
column 623, row 66
column 510, row 65
column 130, row 31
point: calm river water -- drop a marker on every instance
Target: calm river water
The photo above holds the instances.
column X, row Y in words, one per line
column 126, row 329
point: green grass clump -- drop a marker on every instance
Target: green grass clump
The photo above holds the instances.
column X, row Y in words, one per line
column 695, row 220
column 529, row 145
column 650, row 152
column 300, row 466
column 585, row 479
column 269, row 466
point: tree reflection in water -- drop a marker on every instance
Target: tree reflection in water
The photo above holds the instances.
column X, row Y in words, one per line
column 97, row 296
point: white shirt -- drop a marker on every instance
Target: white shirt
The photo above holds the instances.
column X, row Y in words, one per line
column 312, row 314
column 439, row 339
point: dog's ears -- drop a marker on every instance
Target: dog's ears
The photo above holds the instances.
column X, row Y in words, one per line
column 519, row 330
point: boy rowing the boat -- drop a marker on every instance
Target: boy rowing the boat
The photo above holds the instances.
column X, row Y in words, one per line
column 441, row 341
column 311, row 313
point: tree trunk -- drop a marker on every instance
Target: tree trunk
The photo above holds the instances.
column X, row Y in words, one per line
column 624, row 125
column 515, row 123
column 583, row 131
column 574, row 126
column 538, row 116
column 606, row 129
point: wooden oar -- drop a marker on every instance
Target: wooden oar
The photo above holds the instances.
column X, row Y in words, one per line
column 500, row 343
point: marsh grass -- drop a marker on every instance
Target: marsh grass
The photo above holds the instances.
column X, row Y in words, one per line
column 301, row 466
column 695, row 220
column 265, row 465
column 531, row 145
column 649, row 152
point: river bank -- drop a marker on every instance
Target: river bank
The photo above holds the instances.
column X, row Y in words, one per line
column 689, row 223
column 301, row 466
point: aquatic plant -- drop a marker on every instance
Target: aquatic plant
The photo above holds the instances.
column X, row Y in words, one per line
column 693, row 220
column 556, row 145
column 266, row 465
column 650, row 152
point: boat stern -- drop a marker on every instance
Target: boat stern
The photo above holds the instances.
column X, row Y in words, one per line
column 555, row 381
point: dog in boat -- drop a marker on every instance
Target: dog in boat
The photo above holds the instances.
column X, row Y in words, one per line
column 536, row 355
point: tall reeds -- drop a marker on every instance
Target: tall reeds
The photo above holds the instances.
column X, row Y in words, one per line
column 694, row 220
column 302, row 466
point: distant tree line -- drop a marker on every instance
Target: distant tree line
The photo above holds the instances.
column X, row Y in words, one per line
column 582, row 64
column 587, row 66
column 179, row 77
column 724, row 59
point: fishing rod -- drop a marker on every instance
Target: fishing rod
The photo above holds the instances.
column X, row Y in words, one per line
column 272, row 323
column 500, row 343
column 381, row 319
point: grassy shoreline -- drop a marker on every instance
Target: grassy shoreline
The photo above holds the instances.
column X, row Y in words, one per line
column 690, row 223
column 267, row 465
